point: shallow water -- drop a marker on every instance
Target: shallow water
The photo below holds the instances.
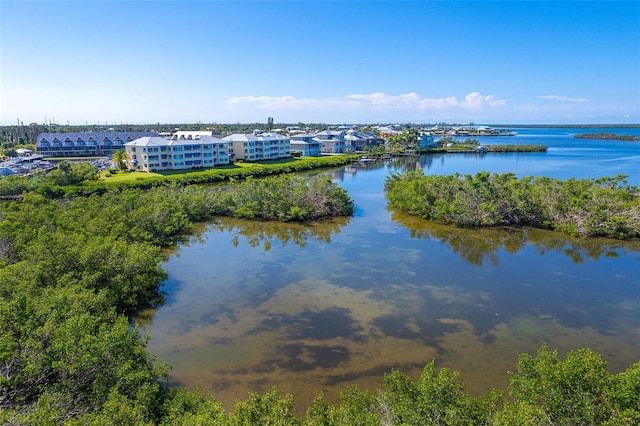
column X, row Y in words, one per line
column 313, row 308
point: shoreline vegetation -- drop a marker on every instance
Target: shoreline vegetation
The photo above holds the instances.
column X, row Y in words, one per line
column 605, row 135
column 83, row 180
column 466, row 148
column 453, row 146
column 516, row 148
column 606, row 207
column 80, row 257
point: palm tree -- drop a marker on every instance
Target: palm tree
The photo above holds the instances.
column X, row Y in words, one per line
column 121, row 159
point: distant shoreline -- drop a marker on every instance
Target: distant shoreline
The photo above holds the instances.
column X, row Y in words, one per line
column 610, row 136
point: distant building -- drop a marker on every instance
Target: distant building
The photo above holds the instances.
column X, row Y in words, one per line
column 332, row 141
column 388, row 131
column 259, row 146
column 306, row 145
column 85, row 144
column 153, row 153
column 426, row 140
column 358, row 141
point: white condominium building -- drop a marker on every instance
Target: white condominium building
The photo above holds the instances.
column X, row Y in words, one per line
column 150, row 154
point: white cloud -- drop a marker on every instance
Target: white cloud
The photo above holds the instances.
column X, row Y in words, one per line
column 564, row 98
column 476, row 101
column 288, row 103
column 408, row 102
column 260, row 99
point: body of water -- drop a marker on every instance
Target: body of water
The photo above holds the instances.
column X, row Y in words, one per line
column 314, row 308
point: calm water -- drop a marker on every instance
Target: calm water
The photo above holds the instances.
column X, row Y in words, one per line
column 314, row 308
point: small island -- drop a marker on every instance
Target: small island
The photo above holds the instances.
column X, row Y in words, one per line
column 452, row 146
column 605, row 207
column 605, row 135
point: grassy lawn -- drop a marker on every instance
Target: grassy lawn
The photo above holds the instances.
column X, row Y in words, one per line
column 130, row 176
column 267, row 162
column 126, row 176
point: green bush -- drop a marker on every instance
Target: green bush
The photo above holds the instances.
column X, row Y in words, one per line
column 592, row 207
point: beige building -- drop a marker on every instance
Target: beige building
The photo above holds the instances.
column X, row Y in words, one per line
column 257, row 147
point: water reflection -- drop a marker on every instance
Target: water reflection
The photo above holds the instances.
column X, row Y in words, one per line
column 259, row 233
column 257, row 304
column 408, row 163
column 479, row 245
column 264, row 233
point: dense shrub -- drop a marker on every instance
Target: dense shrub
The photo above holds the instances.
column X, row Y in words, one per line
column 590, row 207
column 289, row 198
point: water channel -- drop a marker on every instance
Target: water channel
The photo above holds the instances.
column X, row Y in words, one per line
column 313, row 308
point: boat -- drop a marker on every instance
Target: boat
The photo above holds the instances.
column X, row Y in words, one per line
column 366, row 160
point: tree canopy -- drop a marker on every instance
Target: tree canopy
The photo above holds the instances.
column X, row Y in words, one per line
column 407, row 139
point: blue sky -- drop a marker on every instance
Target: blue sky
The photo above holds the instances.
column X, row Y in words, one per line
column 502, row 62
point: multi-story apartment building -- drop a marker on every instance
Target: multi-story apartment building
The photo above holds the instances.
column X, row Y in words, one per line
column 257, row 147
column 275, row 146
column 333, row 141
column 242, row 146
column 152, row 154
column 306, row 145
column 85, row 144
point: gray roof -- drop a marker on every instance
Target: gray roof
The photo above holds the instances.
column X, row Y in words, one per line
column 158, row 141
column 148, row 141
column 301, row 142
column 330, row 133
column 96, row 136
column 301, row 136
column 272, row 136
column 240, row 137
